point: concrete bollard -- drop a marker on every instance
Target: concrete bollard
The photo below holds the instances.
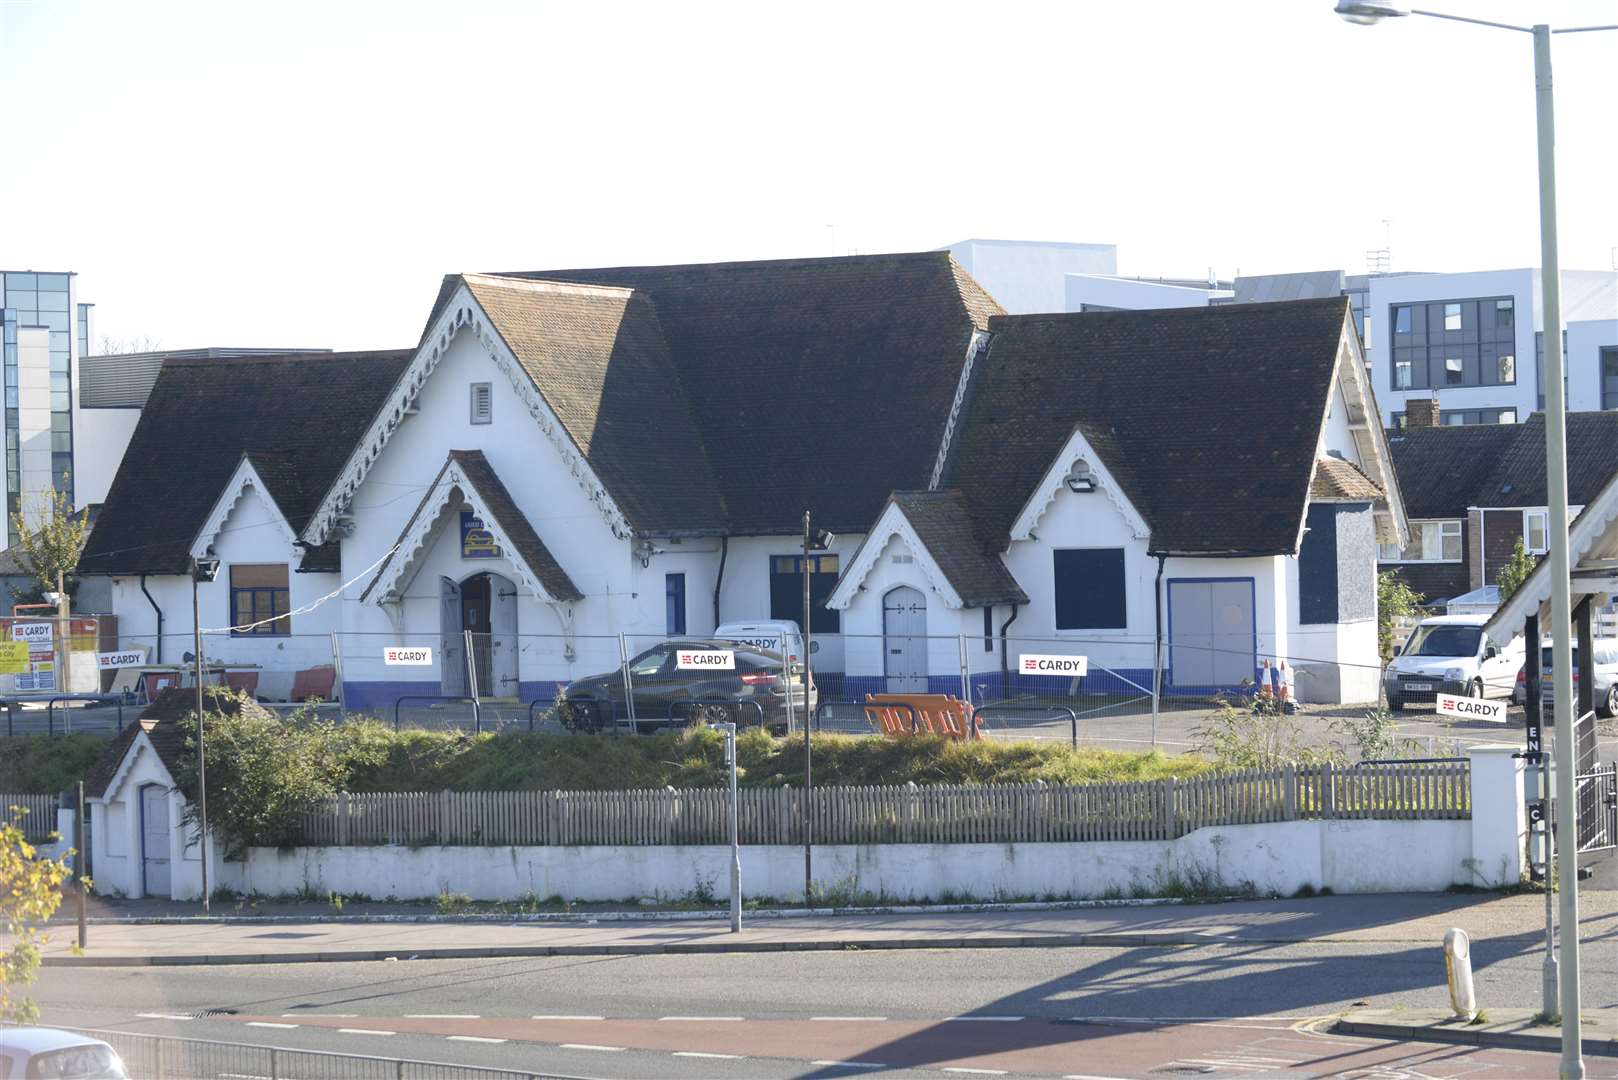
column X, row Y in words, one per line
column 1458, row 968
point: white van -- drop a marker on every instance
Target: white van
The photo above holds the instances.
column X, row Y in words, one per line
column 1448, row 654
column 777, row 635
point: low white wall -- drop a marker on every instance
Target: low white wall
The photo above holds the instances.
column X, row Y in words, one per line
column 1345, row 856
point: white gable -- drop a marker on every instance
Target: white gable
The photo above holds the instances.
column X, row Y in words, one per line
column 892, row 525
column 1076, row 456
column 245, row 483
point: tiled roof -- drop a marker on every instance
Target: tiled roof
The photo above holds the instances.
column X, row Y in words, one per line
column 943, row 525
column 811, row 383
column 202, row 416
column 1441, row 469
column 509, row 518
column 1518, row 478
column 1338, row 480
column 168, row 722
column 1208, row 417
column 598, row 357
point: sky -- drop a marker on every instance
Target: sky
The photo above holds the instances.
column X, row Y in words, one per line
column 302, row 174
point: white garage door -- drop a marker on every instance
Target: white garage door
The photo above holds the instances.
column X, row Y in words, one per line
column 1211, row 632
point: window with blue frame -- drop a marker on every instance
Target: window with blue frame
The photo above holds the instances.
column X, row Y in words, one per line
column 674, row 603
column 260, row 592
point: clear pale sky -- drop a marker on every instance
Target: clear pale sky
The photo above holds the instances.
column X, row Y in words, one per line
column 295, row 173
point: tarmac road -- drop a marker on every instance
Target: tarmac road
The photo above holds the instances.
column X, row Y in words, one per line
column 1224, row 1010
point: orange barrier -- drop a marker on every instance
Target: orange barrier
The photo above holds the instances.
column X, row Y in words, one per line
column 938, row 714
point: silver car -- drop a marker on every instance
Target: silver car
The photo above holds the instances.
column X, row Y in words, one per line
column 1606, row 676
column 48, row 1054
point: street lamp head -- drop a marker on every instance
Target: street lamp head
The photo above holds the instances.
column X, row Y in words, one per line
column 205, row 569
column 1369, row 12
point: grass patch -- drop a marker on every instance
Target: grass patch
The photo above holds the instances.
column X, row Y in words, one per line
column 46, row 765
column 432, row 761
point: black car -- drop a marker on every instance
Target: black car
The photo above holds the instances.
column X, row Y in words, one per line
column 667, row 695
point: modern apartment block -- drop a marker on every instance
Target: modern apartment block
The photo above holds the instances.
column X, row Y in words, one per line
column 46, row 332
column 1476, row 341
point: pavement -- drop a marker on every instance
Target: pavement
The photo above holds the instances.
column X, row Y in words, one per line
column 1389, row 918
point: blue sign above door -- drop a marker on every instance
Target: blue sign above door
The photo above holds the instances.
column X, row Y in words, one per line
column 476, row 541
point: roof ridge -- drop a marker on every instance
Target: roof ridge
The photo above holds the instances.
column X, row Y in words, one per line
column 282, row 358
column 802, row 260
column 1180, row 312
column 549, row 285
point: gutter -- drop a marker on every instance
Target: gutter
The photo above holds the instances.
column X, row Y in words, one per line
column 159, row 657
column 719, row 578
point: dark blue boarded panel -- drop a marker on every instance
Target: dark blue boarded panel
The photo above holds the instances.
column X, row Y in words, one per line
column 1317, row 566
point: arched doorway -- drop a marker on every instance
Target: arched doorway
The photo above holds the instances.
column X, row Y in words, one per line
column 904, row 641
column 483, row 605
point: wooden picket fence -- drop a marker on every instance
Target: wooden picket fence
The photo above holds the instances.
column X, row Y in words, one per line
column 39, row 822
column 938, row 814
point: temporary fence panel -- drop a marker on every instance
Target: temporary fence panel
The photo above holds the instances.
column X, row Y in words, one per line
column 996, row 813
column 40, row 820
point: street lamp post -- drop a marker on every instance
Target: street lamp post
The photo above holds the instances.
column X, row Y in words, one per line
column 813, row 540
column 203, row 569
column 1370, row 12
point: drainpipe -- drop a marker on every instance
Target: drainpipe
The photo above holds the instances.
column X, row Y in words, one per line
column 1005, row 671
column 158, row 659
column 1157, row 645
column 719, row 579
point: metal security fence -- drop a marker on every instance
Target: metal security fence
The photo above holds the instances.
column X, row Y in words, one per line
column 40, row 820
column 995, row 813
column 164, row 1057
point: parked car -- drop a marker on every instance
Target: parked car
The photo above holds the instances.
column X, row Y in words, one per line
column 46, row 1054
column 1606, row 673
column 665, row 693
column 1448, row 654
column 774, row 635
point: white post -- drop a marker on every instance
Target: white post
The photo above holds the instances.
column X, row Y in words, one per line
column 966, row 679
column 1566, row 817
column 337, row 673
column 735, row 836
column 629, row 685
column 1458, row 968
column 1499, row 815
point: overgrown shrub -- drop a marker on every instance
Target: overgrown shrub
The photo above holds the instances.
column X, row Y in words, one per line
column 43, row 765
column 1260, row 736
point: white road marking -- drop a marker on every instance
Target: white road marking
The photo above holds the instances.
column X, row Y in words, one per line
column 473, row 1038
column 1223, row 1064
column 848, row 1019
column 975, row 1072
column 589, row 1046
column 987, row 1019
column 1089, row 1076
column 365, row 1031
column 268, row 1024
column 726, row 1018
column 700, row 1054
column 442, row 1016
column 324, row 1016
column 849, row 1064
column 164, row 1016
column 566, row 1016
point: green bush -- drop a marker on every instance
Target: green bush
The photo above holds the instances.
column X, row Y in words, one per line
column 43, row 765
column 433, row 761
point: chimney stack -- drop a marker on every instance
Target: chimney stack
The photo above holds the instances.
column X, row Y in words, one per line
column 1421, row 412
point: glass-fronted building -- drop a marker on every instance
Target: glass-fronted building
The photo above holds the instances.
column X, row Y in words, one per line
column 33, row 304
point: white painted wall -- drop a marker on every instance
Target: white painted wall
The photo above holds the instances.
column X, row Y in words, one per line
column 115, row 831
column 100, row 437
column 1028, row 276
column 1133, row 294
column 1345, row 856
column 1585, row 340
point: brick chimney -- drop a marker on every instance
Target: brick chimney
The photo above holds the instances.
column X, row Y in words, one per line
column 1421, row 412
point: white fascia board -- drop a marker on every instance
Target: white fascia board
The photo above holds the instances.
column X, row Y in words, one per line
column 1077, row 448
column 462, row 314
column 243, row 480
column 1593, row 536
column 141, row 742
column 892, row 522
column 1393, row 525
column 395, row 578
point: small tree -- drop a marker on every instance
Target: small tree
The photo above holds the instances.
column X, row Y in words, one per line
column 1395, row 600
column 1515, row 571
column 30, row 891
column 51, row 548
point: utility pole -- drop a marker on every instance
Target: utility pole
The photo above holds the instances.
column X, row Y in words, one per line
column 205, row 569
column 808, row 745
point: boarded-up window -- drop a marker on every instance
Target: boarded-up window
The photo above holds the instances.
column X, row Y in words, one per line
column 1090, row 589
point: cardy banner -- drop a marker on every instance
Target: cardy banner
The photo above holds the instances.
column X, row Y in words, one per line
column 1051, row 664
column 1471, row 708
column 408, row 655
column 705, row 660
column 130, row 658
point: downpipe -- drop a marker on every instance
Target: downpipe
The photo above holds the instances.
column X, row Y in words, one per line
column 158, row 659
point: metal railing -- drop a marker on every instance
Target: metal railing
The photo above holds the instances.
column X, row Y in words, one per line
column 477, row 715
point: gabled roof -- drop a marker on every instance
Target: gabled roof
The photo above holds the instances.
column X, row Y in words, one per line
column 467, row 478
column 1340, row 480
column 167, row 723
column 598, row 357
column 796, row 377
column 1208, row 418
column 940, row 532
column 1441, row 469
column 202, row 416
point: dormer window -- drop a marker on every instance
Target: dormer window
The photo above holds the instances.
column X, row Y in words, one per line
column 482, row 403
